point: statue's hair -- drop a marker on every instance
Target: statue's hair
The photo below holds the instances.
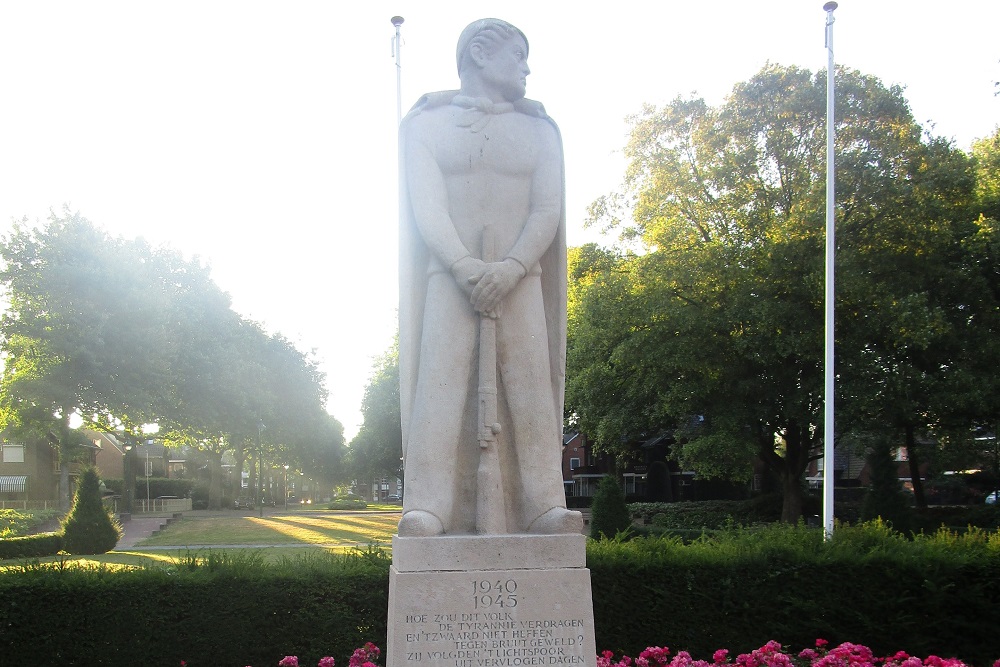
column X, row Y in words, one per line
column 487, row 32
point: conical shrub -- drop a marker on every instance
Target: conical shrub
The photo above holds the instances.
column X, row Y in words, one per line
column 88, row 528
column 609, row 513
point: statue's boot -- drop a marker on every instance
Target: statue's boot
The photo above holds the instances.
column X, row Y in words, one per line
column 418, row 523
column 557, row 520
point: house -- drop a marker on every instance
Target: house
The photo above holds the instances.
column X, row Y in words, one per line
column 648, row 473
column 29, row 473
column 582, row 470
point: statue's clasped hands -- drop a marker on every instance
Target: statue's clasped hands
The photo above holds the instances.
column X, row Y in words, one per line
column 487, row 284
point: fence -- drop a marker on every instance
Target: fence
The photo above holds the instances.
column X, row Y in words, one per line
column 162, row 505
column 25, row 505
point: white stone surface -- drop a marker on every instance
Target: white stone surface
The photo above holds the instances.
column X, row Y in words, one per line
column 495, row 618
column 483, row 301
column 489, row 565
column 471, row 552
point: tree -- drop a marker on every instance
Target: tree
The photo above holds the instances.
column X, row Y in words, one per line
column 84, row 334
column 713, row 324
column 377, row 449
column 609, row 512
column 120, row 334
column 88, row 528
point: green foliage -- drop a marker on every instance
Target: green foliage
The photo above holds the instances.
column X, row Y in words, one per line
column 609, row 514
column 308, row 606
column 708, row 318
column 737, row 589
column 158, row 486
column 352, row 503
column 710, row 514
column 377, row 449
column 29, row 546
column 740, row 588
column 16, row 523
column 123, row 334
column 88, row 528
column 885, row 498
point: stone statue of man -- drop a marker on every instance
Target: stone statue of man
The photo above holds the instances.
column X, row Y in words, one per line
column 482, row 165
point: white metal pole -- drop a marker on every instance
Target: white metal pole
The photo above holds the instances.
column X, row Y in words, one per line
column 829, row 375
column 398, row 21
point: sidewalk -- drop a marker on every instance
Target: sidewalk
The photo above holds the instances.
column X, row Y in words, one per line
column 138, row 528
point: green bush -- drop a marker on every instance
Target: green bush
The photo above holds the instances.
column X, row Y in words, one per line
column 936, row 593
column 211, row 609
column 17, row 523
column 158, row 486
column 885, row 497
column 88, row 528
column 31, row 546
column 348, row 503
column 609, row 514
column 705, row 514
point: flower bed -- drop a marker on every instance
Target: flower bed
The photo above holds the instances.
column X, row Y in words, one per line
column 771, row 654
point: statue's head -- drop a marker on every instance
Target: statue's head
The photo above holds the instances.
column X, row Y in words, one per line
column 497, row 51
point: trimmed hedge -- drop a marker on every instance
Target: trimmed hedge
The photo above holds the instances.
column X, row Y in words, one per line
column 936, row 594
column 709, row 514
column 31, row 546
column 232, row 610
column 351, row 503
column 158, row 486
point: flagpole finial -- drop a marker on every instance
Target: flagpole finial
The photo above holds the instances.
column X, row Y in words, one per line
column 830, row 6
column 398, row 20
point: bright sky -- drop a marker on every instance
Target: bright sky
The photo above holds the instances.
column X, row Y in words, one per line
column 260, row 136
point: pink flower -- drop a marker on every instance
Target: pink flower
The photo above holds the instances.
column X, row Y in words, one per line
column 721, row 656
column 820, row 643
column 655, row 656
column 326, row 661
column 289, row 661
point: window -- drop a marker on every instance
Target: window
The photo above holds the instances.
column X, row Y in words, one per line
column 574, row 463
column 13, row 453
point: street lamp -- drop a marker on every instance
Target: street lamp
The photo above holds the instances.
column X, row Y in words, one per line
column 260, row 468
column 284, row 486
column 127, row 481
column 148, row 430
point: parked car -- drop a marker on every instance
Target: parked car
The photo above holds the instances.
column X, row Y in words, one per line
column 394, row 499
column 244, row 503
column 293, row 500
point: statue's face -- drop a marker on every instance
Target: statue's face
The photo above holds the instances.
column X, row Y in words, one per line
column 504, row 71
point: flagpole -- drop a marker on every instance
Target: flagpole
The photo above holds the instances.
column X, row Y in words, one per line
column 829, row 375
column 398, row 21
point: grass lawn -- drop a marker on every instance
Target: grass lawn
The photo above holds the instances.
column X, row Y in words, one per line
column 196, row 537
column 338, row 529
column 127, row 560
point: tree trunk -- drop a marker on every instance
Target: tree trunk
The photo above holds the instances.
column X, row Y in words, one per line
column 65, row 456
column 791, row 491
column 914, row 463
column 797, row 446
column 215, row 480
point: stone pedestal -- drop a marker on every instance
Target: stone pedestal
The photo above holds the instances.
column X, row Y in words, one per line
column 490, row 601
